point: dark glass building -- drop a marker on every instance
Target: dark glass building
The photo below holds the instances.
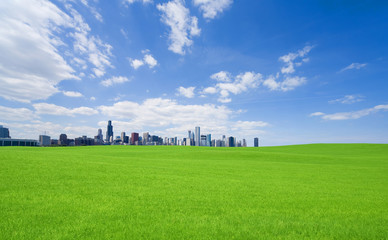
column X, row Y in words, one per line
column 109, row 132
column 256, row 142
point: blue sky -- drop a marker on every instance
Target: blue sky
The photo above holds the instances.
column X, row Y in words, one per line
column 288, row 72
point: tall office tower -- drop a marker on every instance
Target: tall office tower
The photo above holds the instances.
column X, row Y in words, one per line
column 256, row 142
column 123, row 137
column 146, row 138
column 63, row 139
column 4, row 132
column 109, row 132
column 189, row 134
column 209, row 140
column 134, row 138
column 231, row 142
column 244, row 143
column 99, row 135
column 197, row 136
column 44, row 140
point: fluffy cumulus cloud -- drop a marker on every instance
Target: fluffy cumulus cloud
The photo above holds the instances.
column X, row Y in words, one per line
column 148, row 60
column 186, row 92
column 226, row 86
column 350, row 115
column 211, row 8
column 175, row 118
column 285, row 80
column 281, row 81
column 182, row 26
column 52, row 109
column 30, row 38
column 114, row 80
column 354, row 66
column 72, row 94
column 289, row 83
column 348, row 99
column 16, row 114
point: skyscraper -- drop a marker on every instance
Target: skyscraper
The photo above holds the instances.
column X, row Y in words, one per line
column 197, row 136
column 146, row 138
column 134, row 138
column 123, row 137
column 231, row 142
column 109, row 131
column 256, row 142
column 63, row 139
column 209, row 140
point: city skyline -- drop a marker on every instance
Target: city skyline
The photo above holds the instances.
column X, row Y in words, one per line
column 290, row 72
column 134, row 139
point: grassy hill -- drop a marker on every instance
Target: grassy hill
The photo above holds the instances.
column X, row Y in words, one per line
column 331, row 191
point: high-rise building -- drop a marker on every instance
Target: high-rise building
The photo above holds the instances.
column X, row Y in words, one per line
column 4, row 132
column 134, row 138
column 197, row 136
column 231, row 142
column 189, row 135
column 123, row 137
column 209, row 140
column 146, row 138
column 99, row 139
column 109, row 132
column 63, row 139
column 44, row 140
column 256, row 142
column 244, row 143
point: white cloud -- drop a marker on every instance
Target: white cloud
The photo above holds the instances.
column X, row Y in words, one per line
column 147, row 59
column 182, row 26
column 136, row 63
column 209, row 90
column 250, row 80
column 132, row 1
column 91, row 48
column 92, row 99
column 291, row 57
column 150, row 60
column 175, row 118
column 241, row 83
column 351, row 115
column 348, row 99
column 222, row 76
column 16, row 114
column 32, row 47
column 72, row 94
column 114, row 80
column 186, row 92
column 31, row 66
column 52, row 109
column 354, row 66
column 316, row 114
column 93, row 10
column 211, row 8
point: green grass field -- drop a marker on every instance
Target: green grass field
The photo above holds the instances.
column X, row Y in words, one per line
column 319, row 191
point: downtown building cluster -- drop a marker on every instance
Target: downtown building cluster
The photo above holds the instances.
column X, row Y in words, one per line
column 194, row 138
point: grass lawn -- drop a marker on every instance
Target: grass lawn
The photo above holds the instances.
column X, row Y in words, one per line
column 319, row 191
